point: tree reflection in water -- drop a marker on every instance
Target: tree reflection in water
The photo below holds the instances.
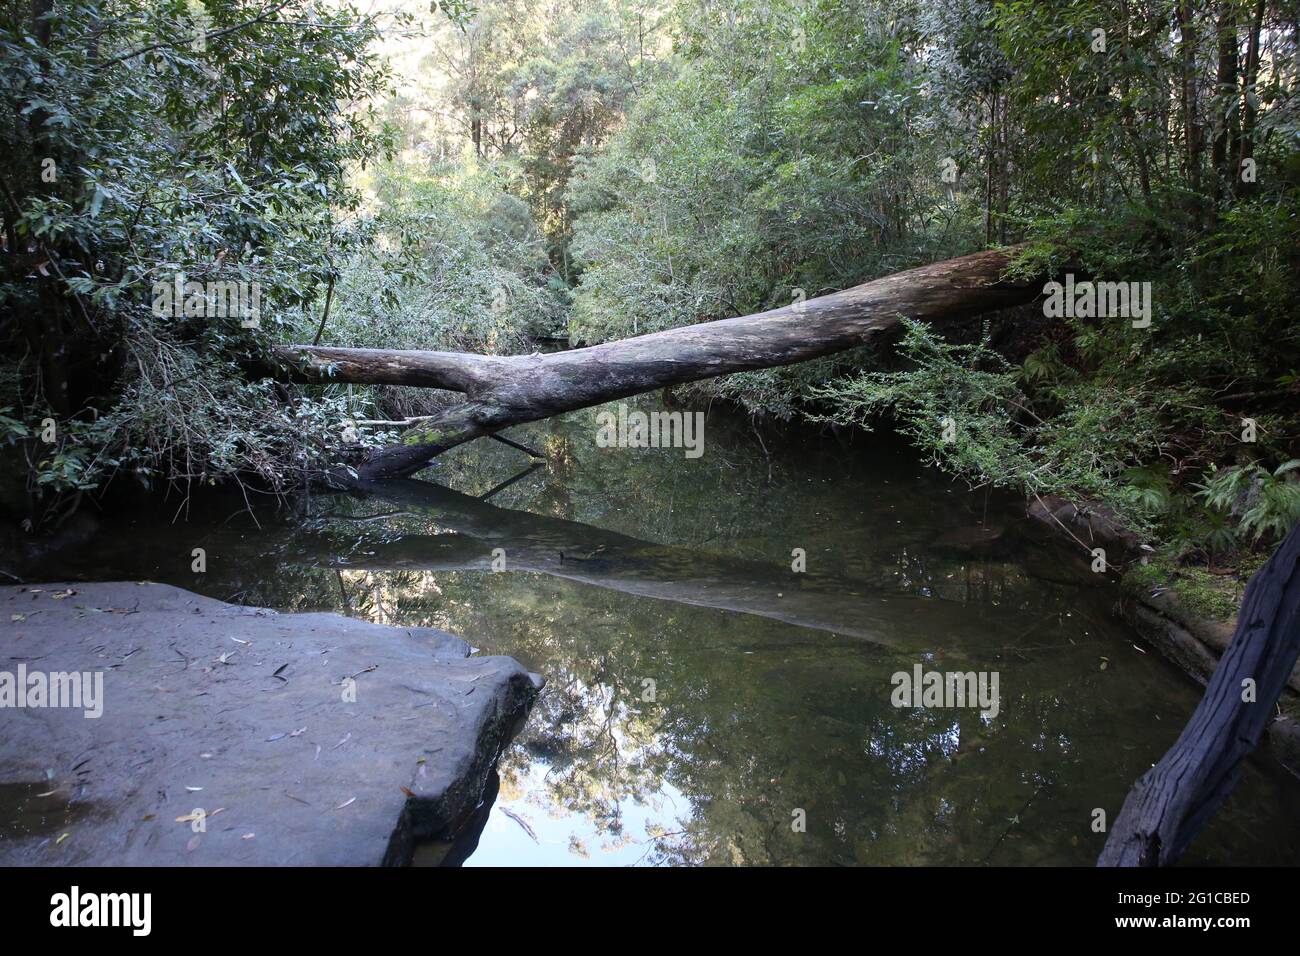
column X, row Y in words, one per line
column 771, row 690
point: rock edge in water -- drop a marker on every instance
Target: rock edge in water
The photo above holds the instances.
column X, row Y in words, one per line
column 281, row 739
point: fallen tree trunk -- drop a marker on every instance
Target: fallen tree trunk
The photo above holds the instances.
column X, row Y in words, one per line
column 1175, row 798
column 502, row 391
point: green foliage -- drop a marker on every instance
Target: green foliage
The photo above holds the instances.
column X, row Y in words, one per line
column 451, row 262
column 11, row 429
column 790, row 152
column 958, row 403
column 537, row 84
column 151, row 140
column 623, row 168
column 1264, row 502
column 812, row 165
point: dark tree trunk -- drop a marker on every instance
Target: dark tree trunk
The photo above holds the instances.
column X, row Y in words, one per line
column 504, row 391
column 1175, row 798
column 1226, row 93
column 1249, row 110
column 1185, row 11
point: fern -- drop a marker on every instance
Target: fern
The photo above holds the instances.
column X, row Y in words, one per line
column 1266, row 503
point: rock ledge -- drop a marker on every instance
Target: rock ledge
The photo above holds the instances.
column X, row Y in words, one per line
column 284, row 739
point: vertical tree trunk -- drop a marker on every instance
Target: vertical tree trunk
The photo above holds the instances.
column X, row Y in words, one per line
column 990, row 163
column 1004, row 168
column 1225, row 94
column 1192, row 135
column 1249, row 110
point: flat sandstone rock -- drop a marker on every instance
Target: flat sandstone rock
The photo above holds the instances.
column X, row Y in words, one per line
column 303, row 739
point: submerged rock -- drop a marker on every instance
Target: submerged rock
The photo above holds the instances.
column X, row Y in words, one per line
column 236, row 736
column 1092, row 523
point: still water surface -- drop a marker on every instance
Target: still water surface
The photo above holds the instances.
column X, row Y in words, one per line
column 702, row 696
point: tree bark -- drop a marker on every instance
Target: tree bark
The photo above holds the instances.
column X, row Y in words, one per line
column 1226, row 94
column 1175, row 798
column 501, row 391
column 1192, row 134
column 1249, row 109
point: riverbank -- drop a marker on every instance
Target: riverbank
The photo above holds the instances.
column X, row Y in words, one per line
column 1188, row 615
column 209, row 734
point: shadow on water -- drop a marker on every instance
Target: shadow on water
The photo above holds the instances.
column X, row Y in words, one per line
column 706, row 703
column 457, row 849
